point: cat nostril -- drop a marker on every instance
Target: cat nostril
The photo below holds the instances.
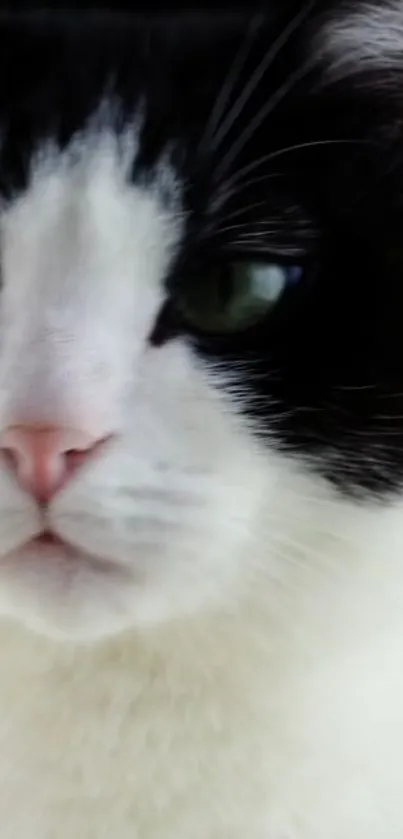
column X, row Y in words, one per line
column 45, row 459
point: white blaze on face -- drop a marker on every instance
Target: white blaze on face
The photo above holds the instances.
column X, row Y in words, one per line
column 83, row 259
column 159, row 517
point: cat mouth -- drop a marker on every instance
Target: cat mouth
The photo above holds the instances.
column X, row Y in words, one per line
column 49, row 545
column 47, row 537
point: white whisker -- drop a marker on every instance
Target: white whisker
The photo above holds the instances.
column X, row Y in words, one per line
column 230, row 81
column 226, row 194
column 243, row 210
column 258, row 74
column 267, row 158
column 261, row 115
column 267, row 225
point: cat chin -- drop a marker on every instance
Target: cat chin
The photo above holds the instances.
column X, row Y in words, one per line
column 60, row 591
column 65, row 594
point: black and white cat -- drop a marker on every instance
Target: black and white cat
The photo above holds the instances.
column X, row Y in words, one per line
column 201, row 423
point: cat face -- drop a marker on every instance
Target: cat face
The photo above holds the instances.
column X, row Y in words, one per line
column 200, row 255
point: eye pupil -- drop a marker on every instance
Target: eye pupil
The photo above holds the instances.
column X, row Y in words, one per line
column 225, row 289
column 235, row 297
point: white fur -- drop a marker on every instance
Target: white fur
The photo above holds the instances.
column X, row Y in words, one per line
column 367, row 37
column 248, row 675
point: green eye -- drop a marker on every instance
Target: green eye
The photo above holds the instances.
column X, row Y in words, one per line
column 237, row 296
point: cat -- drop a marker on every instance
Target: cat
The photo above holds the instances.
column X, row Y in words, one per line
column 201, row 422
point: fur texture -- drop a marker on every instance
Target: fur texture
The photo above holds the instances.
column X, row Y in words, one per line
column 230, row 597
column 366, row 35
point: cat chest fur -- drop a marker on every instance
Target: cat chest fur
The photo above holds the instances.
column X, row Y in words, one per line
column 129, row 740
column 109, row 742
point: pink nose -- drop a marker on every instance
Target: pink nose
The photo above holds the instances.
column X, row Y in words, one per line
column 45, row 459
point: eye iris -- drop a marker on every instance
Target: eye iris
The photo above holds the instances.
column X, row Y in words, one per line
column 236, row 297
